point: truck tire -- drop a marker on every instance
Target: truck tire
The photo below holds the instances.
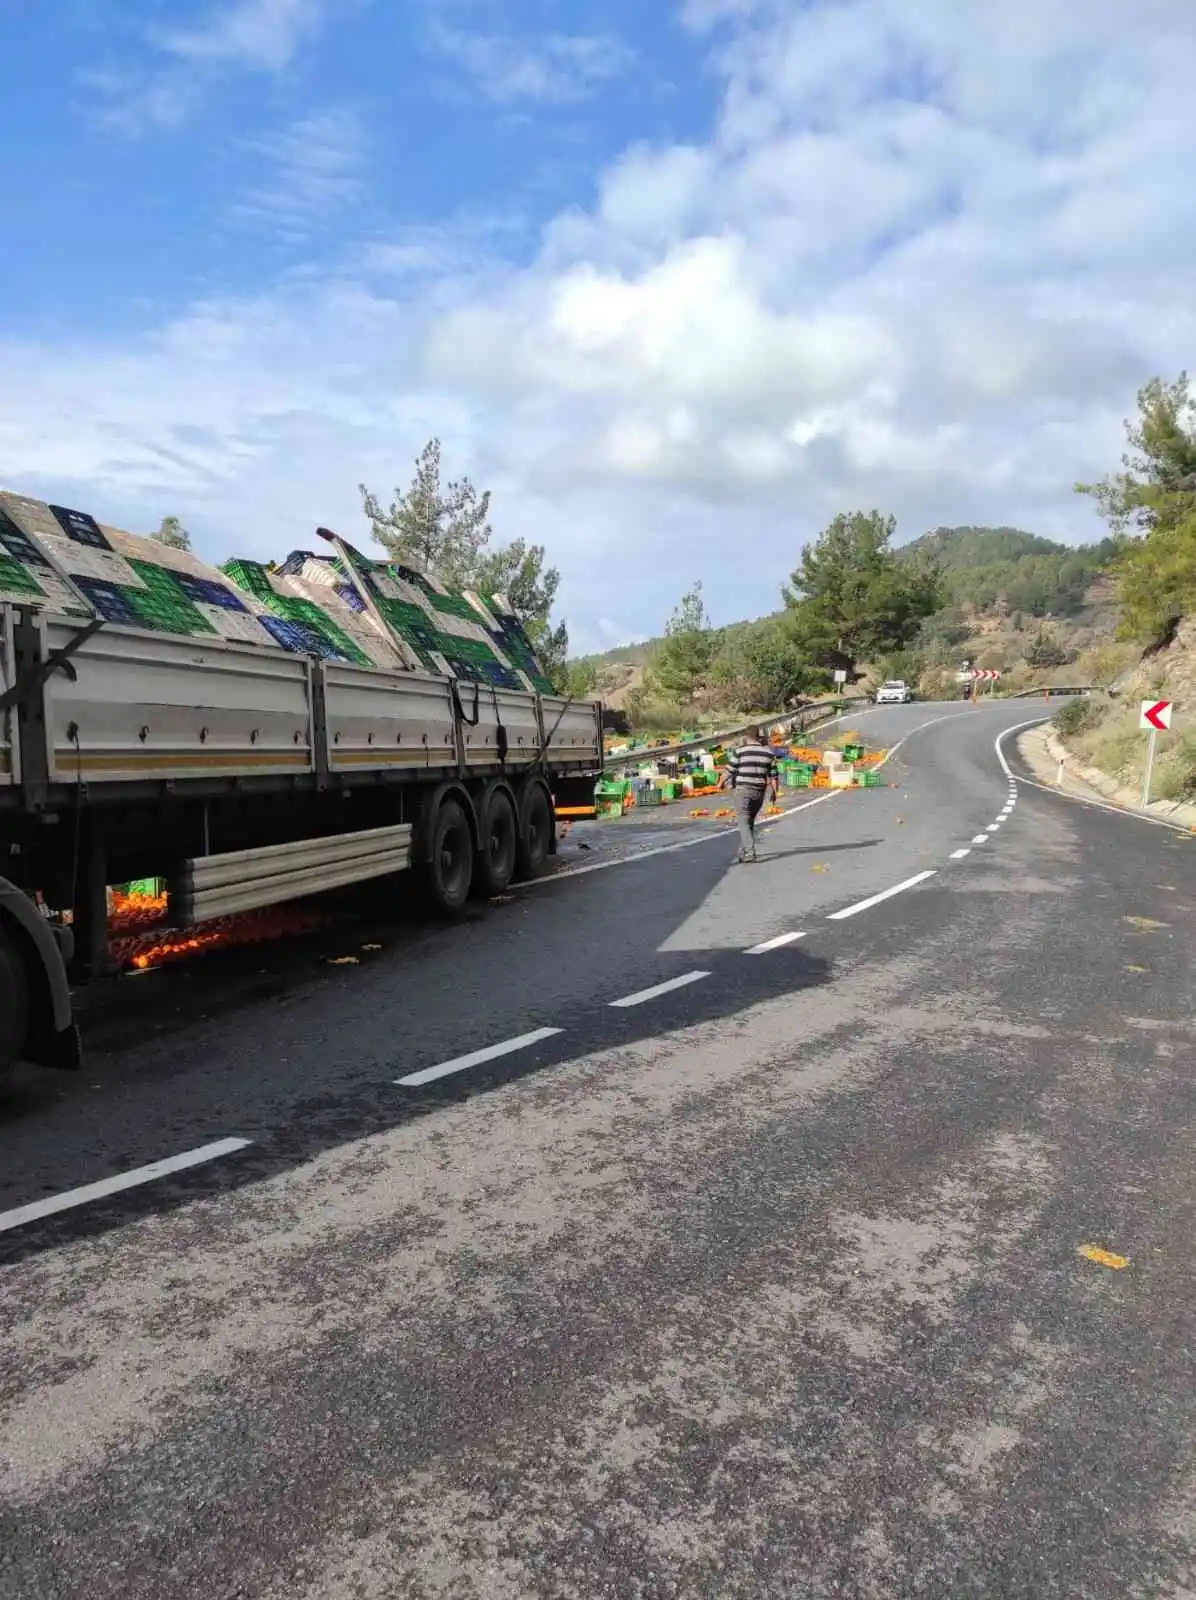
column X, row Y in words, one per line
column 14, row 1005
column 536, row 830
column 498, row 843
column 449, row 870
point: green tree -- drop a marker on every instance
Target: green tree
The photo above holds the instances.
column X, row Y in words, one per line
column 171, row 532
column 517, row 571
column 683, row 659
column 445, row 529
column 434, row 526
column 1044, row 650
column 580, row 679
column 1155, row 496
column 852, row 598
column 778, row 669
column 903, row 666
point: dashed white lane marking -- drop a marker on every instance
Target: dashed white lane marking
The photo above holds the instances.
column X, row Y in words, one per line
column 981, row 838
column 641, row 995
column 123, row 1180
column 1078, row 799
column 475, row 1058
column 885, row 894
column 993, row 827
column 958, row 855
column 774, row 944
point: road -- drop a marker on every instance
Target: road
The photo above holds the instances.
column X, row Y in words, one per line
column 768, row 1284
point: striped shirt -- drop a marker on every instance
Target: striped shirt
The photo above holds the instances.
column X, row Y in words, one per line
column 753, row 766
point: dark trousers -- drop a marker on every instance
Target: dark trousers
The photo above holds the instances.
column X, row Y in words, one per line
column 747, row 809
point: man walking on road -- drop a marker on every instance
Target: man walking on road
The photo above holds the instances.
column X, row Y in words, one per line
column 752, row 773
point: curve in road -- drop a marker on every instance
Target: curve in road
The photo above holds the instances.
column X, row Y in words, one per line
column 737, row 1250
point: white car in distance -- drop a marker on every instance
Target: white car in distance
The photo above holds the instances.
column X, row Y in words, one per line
column 893, row 692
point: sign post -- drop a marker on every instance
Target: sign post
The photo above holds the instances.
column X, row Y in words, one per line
column 1154, row 717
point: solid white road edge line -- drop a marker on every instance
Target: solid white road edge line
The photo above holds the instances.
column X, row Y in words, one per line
column 1079, row 799
column 668, row 849
column 885, row 894
column 958, row 855
column 641, row 995
column 71, row 1198
column 774, row 944
column 475, row 1058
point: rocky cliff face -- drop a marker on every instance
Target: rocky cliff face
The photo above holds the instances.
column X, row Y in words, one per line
column 1170, row 673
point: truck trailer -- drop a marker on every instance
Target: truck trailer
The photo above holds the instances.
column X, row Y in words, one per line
column 250, row 734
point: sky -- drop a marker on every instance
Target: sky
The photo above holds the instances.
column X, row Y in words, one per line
column 677, row 281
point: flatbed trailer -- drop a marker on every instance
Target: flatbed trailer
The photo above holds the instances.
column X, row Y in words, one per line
column 247, row 774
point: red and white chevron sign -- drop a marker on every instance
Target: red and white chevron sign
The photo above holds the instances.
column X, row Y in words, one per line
column 1155, row 715
column 983, row 672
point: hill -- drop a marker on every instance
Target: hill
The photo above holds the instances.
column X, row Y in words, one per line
column 1002, row 589
column 1006, row 569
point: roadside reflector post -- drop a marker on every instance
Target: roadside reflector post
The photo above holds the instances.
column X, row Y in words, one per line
column 1150, row 744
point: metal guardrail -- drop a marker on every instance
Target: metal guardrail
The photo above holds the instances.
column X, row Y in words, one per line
column 1052, row 690
column 245, row 880
column 817, row 712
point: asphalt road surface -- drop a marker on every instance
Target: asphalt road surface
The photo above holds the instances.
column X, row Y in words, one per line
column 771, row 1282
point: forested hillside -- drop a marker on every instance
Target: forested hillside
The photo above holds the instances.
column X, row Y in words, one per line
column 1003, row 597
column 990, row 567
column 1150, row 504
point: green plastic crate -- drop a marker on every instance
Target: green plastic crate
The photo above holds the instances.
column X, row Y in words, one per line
column 852, row 752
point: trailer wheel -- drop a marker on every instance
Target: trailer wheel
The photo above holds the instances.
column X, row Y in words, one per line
column 14, row 1005
column 498, row 845
column 535, row 830
column 450, row 858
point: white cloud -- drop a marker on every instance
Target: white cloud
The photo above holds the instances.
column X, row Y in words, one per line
column 245, row 36
column 544, row 69
column 314, row 167
column 262, row 35
column 922, row 261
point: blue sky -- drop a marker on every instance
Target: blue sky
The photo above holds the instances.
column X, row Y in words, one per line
column 677, row 282
column 193, row 157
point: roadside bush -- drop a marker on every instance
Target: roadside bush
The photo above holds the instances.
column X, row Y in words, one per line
column 1073, row 716
column 1045, row 651
column 1176, row 776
